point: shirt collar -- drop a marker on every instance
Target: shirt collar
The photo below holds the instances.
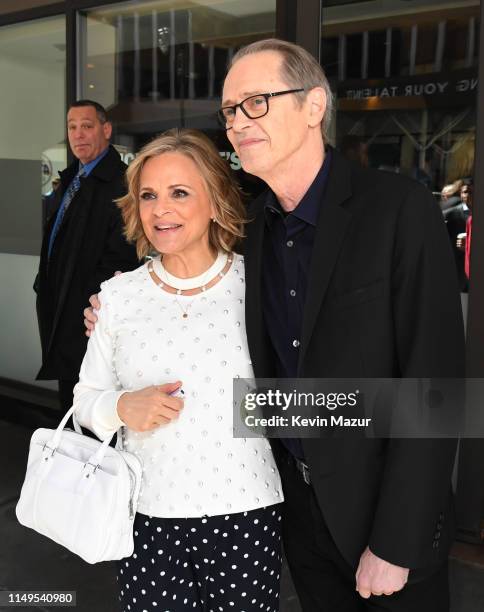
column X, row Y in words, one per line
column 89, row 167
column 308, row 208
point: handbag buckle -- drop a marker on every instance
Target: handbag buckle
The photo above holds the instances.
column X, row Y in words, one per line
column 51, row 449
column 92, row 465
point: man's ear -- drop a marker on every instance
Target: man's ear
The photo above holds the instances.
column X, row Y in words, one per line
column 107, row 129
column 316, row 100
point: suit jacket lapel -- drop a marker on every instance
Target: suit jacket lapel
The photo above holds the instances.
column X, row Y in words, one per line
column 65, row 176
column 253, row 249
column 333, row 221
column 82, row 204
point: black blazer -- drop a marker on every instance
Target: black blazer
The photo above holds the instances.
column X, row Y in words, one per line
column 92, row 248
column 382, row 301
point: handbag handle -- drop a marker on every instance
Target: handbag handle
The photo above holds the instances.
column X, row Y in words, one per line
column 96, row 459
column 119, row 432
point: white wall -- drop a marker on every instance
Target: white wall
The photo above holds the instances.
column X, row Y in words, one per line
column 20, row 356
column 32, row 107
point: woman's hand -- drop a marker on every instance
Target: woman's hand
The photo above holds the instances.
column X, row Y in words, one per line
column 150, row 407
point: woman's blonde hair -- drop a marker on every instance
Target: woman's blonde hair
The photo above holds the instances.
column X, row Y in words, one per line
column 223, row 191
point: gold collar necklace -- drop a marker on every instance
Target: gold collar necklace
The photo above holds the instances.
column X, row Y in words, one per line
column 165, row 286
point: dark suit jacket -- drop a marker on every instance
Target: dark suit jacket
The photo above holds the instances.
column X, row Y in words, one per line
column 91, row 247
column 381, row 291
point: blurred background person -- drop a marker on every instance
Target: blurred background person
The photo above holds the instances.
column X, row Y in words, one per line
column 49, row 203
column 464, row 240
column 456, row 219
column 450, row 195
column 355, row 149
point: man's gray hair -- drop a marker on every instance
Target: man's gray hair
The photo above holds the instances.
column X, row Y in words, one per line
column 299, row 69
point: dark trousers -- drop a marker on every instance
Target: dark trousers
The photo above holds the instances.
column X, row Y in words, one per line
column 324, row 581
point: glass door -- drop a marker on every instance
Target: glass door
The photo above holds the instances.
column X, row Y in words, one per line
column 32, row 151
column 405, row 79
column 160, row 64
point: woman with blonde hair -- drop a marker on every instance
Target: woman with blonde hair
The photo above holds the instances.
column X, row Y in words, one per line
column 207, row 529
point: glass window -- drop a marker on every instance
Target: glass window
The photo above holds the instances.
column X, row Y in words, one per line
column 32, row 151
column 405, row 80
column 32, row 120
column 12, row 6
column 159, row 64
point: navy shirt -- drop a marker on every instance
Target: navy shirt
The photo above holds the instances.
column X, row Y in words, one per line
column 288, row 246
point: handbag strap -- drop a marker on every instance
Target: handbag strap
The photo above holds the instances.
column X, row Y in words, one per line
column 120, row 433
column 97, row 457
column 77, row 427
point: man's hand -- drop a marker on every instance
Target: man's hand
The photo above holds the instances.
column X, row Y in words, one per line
column 375, row 576
column 90, row 312
column 150, row 407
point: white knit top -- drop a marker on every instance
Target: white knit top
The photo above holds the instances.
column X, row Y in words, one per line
column 192, row 466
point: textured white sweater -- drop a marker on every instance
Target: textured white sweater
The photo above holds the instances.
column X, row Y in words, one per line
column 193, row 466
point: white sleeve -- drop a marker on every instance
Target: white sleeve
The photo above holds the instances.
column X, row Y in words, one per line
column 98, row 390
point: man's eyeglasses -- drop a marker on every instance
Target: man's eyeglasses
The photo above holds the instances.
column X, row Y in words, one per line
column 253, row 107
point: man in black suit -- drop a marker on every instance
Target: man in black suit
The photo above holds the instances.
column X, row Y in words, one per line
column 83, row 244
column 349, row 272
column 342, row 281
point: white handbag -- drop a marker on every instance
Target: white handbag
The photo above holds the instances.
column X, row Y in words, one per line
column 81, row 493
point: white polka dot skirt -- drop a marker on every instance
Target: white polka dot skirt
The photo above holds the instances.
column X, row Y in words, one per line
column 217, row 563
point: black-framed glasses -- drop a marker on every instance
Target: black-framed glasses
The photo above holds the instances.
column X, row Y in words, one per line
column 253, row 107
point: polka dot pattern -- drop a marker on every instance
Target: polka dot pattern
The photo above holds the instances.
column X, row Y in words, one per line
column 192, row 466
column 217, row 563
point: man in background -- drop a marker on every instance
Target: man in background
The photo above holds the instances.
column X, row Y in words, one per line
column 83, row 244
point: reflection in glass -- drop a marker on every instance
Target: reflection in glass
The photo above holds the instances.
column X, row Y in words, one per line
column 405, row 78
column 12, row 6
column 32, row 119
column 32, row 151
column 158, row 65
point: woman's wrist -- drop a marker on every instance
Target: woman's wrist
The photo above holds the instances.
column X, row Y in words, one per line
column 121, row 407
